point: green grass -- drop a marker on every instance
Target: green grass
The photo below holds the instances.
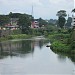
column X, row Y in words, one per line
column 18, row 36
column 60, row 43
column 60, row 47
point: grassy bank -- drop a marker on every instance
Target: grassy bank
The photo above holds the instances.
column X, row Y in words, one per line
column 61, row 43
column 18, row 36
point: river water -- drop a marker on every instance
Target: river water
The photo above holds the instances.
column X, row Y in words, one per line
column 32, row 57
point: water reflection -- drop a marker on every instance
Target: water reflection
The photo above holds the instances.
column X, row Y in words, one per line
column 19, row 48
column 32, row 57
column 62, row 56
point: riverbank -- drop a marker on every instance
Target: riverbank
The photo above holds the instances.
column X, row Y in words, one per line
column 18, row 36
column 61, row 43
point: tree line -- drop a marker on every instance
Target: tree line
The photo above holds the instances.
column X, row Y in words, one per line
column 24, row 21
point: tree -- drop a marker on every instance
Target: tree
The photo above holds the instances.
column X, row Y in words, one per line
column 42, row 22
column 61, row 21
column 73, row 10
column 14, row 15
column 4, row 19
column 61, row 13
column 24, row 22
column 69, row 21
column 61, row 18
column 72, row 38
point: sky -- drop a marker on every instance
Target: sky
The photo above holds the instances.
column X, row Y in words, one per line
column 45, row 9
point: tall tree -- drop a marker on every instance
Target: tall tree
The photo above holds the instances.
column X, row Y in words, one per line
column 24, row 22
column 61, row 18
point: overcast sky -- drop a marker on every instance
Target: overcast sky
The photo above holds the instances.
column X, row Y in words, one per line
column 45, row 9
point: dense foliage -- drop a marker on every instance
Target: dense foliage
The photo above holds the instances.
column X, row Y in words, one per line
column 4, row 19
column 42, row 22
column 62, row 42
column 69, row 21
column 61, row 18
column 61, row 21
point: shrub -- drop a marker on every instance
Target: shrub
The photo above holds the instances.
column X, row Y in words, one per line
column 19, row 36
column 60, row 47
column 73, row 45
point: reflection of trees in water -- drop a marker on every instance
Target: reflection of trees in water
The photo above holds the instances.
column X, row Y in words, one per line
column 26, row 47
column 62, row 56
column 15, row 48
column 72, row 57
column 40, row 43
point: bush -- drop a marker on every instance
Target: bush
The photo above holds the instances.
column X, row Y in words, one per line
column 15, row 32
column 45, row 33
column 60, row 47
column 62, row 42
column 73, row 45
column 19, row 36
column 58, row 37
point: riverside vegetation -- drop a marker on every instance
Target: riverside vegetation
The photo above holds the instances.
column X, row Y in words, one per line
column 63, row 41
column 15, row 34
column 18, row 36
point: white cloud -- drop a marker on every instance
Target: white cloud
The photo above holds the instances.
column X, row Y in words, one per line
column 37, row 2
column 57, row 5
column 62, row 3
column 23, row 6
column 20, row 2
column 74, row 3
column 54, row 1
column 42, row 8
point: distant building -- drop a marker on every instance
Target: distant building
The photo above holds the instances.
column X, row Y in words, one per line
column 34, row 24
column 13, row 25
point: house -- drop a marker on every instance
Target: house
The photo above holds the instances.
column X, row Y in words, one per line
column 13, row 25
column 34, row 24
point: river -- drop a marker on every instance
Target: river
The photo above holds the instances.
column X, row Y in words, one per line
column 32, row 57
